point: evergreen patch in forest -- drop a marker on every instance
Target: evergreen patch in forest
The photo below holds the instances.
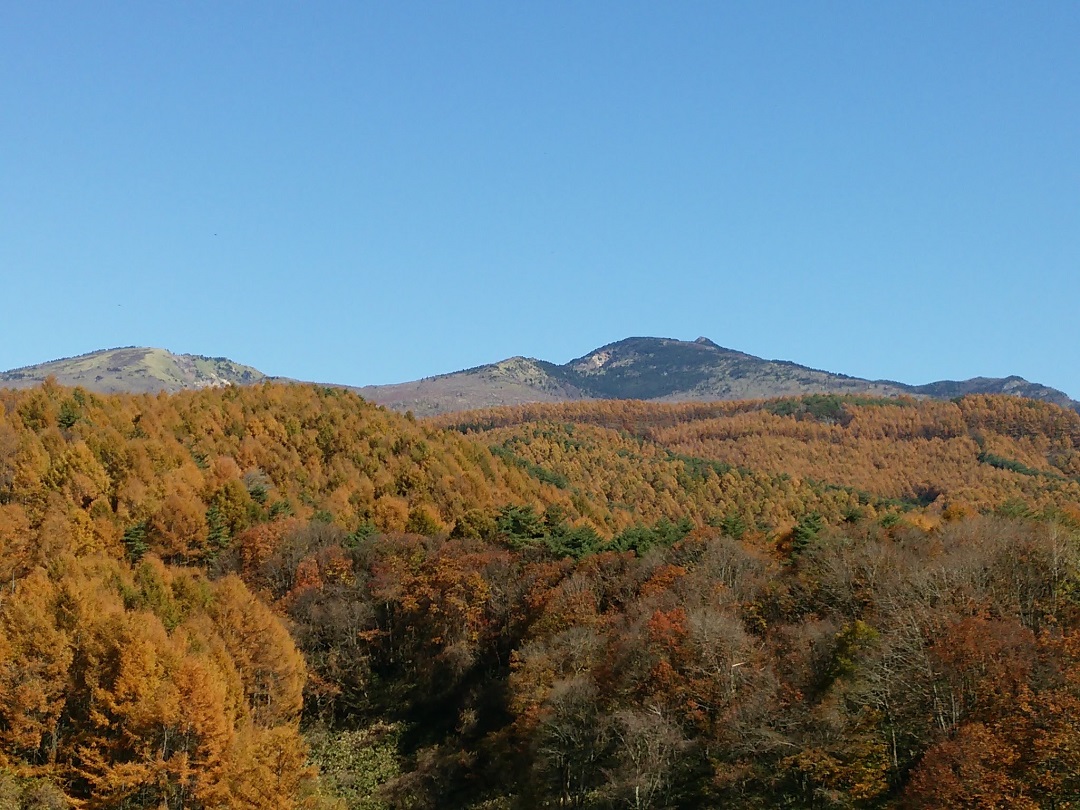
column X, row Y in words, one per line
column 535, row 470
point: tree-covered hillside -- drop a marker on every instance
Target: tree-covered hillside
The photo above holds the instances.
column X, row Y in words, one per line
column 973, row 454
column 284, row 596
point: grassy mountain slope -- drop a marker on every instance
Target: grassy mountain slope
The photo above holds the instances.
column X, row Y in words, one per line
column 135, row 370
column 510, row 382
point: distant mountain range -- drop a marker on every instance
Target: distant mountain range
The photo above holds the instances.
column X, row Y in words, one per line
column 664, row 370
column 658, row 369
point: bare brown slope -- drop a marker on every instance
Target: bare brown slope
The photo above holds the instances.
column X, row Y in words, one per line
column 517, row 381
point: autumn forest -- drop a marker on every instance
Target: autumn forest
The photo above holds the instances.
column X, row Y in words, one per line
column 283, row 596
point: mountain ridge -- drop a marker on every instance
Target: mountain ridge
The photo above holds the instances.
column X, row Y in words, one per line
column 135, row 369
column 645, row 368
column 667, row 370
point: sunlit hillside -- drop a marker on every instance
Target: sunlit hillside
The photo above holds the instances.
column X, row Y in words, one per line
column 285, row 596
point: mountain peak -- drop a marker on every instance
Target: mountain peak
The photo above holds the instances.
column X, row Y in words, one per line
column 669, row 370
column 137, row 369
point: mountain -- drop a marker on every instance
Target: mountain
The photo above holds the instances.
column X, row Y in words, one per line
column 515, row 381
column 678, row 371
column 646, row 368
column 664, row 370
column 135, row 370
column 1017, row 386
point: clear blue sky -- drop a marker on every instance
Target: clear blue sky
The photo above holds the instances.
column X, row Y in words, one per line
column 373, row 192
